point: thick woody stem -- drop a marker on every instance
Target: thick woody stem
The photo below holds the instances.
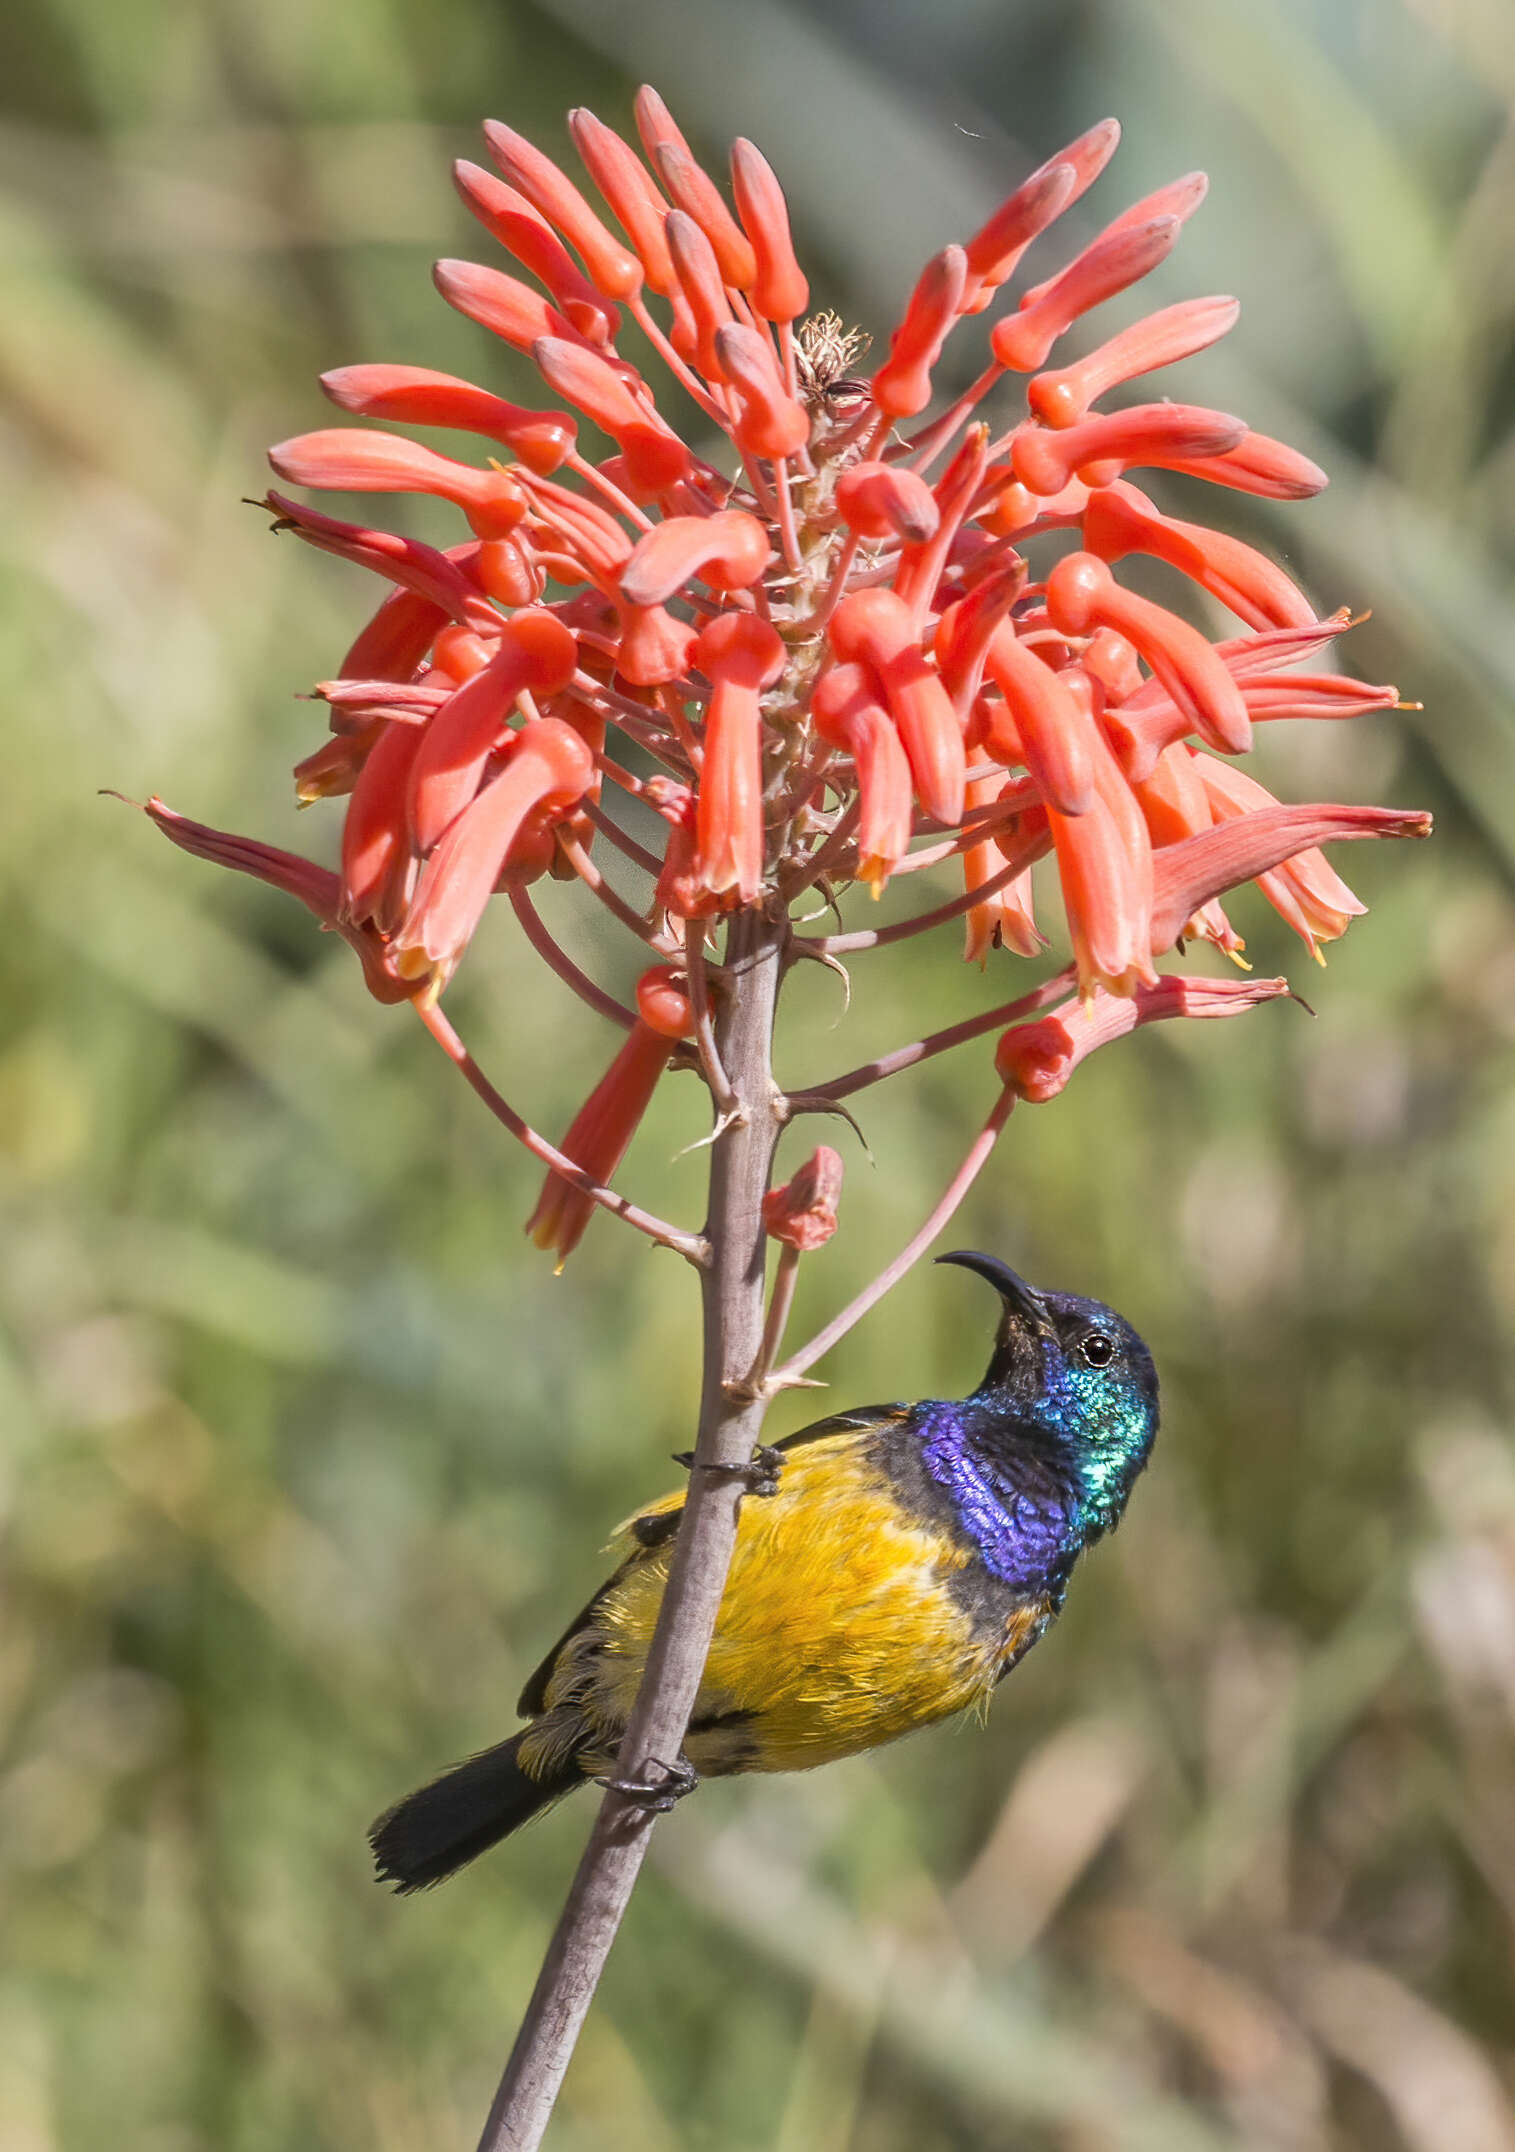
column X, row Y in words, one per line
column 730, row 1422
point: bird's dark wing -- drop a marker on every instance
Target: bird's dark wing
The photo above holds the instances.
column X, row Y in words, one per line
column 532, row 1700
column 654, row 1526
column 841, row 1423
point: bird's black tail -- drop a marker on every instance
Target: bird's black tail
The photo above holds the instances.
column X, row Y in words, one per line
column 441, row 1827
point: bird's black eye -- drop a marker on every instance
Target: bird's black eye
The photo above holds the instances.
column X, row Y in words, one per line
column 1097, row 1349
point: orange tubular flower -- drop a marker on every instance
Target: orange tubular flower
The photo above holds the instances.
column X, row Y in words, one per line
column 848, row 715
column 1104, row 861
column 502, row 304
column 612, row 271
column 740, row 656
column 550, row 769
column 769, row 423
column 631, row 193
column 350, row 460
column 536, row 653
column 526, row 234
column 602, row 1129
column 1249, row 845
column 902, row 385
column 873, row 628
column 1005, row 920
column 994, row 252
column 1061, row 398
column 727, row 551
column 802, row 1214
column 1056, row 736
column 1036, row 1060
column 415, row 396
column 797, row 648
column 1120, row 520
column 1118, row 258
column 1082, row 594
column 700, row 280
column 778, row 289
column 878, row 501
column 655, row 456
column 1099, row 449
column 377, row 860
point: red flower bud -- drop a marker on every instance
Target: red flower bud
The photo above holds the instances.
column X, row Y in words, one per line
column 778, row 290
column 1151, row 434
column 537, row 653
column 878, row 500
column 1119, row 257
column 902, row 385
column 802, row 1214
column 415, row 396
column 1162, row 339
column 615, row 272
column 875, row 628
column 1082, row 595
column 770, row 423
column 655, row 455
column 727, row 551
column 741, row 656
column 627, row 187
column 523, row 232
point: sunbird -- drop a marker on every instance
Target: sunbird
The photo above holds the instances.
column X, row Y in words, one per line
column 906, row 1558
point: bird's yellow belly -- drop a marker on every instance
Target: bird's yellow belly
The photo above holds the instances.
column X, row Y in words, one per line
column 839, row 1628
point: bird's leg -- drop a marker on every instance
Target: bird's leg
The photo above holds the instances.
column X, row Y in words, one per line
column 760, row 1475
column 656, row 1795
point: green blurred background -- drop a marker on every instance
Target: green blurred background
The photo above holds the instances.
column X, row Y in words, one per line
column 306, row 1456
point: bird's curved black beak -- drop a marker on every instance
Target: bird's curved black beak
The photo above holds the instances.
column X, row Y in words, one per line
column 1019, row 1297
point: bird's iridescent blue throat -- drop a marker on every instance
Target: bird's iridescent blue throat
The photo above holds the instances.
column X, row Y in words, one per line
column 1040, row 1460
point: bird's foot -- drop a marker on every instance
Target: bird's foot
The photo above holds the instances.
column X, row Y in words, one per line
column 656, row 1795
column 760, row 1475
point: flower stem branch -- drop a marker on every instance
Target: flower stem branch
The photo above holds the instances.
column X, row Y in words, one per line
column 881, row 937
column 590, row 875
column 557, row 959
column 914, row 1248
column 692, row 1246
column 822, row 1097
column 627, row 846
column 730, row 1423
column 780, row 1301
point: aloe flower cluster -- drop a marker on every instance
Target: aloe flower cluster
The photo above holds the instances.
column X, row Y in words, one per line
column 844, row 630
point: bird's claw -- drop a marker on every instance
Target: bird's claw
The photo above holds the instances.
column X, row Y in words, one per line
column 759, row 1476
column 656, row 1796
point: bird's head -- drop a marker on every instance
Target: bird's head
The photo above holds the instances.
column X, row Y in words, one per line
column 1077, row 1370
